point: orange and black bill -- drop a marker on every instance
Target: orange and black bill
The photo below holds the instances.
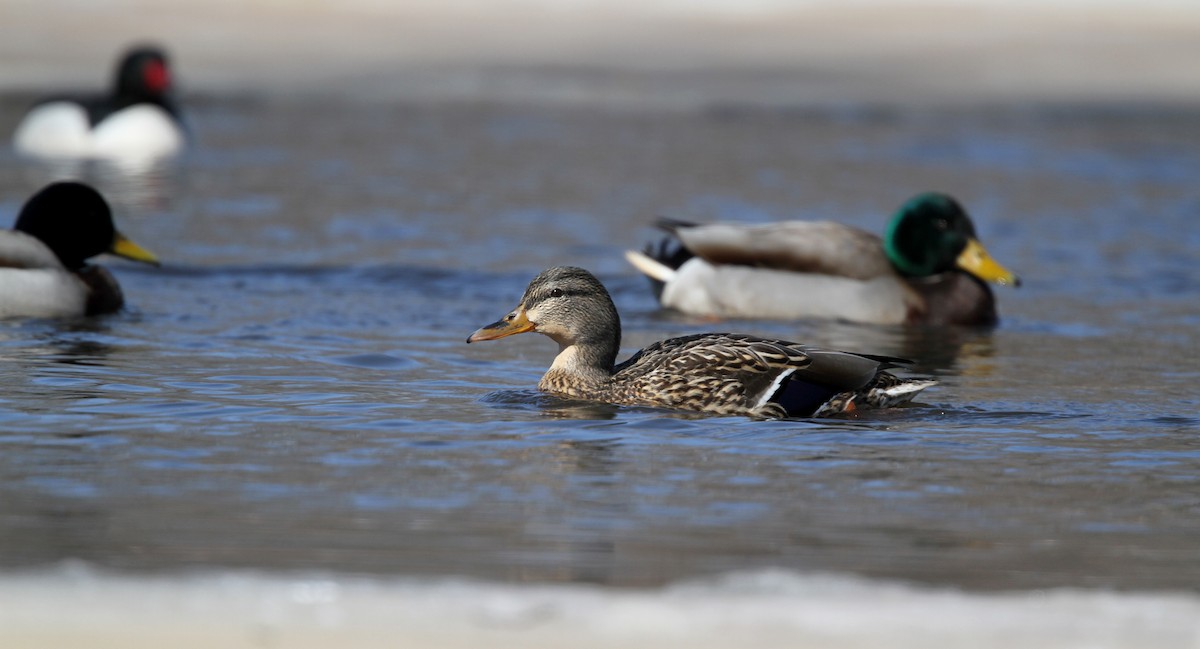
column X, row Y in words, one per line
column 511, row 324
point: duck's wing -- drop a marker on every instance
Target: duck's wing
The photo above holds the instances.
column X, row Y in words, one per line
column 821, row 247
column 739, row 374
column 33, row 283
column 20, row 250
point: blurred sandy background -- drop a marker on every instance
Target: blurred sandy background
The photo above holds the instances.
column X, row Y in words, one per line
column 664, row 52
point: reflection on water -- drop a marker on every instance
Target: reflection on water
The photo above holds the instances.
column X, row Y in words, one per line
column 550, row 406
column 292, row 389
column 130, row 186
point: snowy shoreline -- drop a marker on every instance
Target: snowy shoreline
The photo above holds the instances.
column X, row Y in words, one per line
column 75, row 605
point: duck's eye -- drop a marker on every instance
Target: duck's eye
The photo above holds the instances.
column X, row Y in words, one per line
column 943, row 224
column 556, row 292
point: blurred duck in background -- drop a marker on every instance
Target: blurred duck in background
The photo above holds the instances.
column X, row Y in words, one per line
column 928, row 268
column 43, row 259
column 137, row 120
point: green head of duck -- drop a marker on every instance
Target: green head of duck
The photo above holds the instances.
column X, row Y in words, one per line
column 932, row 234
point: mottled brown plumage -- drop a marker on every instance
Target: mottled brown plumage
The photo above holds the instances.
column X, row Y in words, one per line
column 721, row 373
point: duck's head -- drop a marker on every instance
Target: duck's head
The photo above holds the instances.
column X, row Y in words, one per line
column 74, row 222
column 932, row 234
column 567, row 304
column 143, row 73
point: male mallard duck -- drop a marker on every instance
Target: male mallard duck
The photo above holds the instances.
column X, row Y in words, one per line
column 43, row 259
column 137, row 120
column 927, row 269
column 727, row 374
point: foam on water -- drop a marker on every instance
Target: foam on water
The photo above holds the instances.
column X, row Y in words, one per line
column 75, row 605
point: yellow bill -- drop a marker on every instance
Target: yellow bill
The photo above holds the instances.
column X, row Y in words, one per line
column 512, row 324
column 124, row 247
column 975, row 260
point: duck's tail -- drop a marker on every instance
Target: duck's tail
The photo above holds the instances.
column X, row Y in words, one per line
column 660, row 259
column 650, row 267
column 656, row 271
column 885, row 391
column 889, row 390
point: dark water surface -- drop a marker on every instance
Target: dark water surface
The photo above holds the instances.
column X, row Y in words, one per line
column 292, row 390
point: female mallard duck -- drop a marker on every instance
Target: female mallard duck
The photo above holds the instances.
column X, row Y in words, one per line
column 43, row 259
column 137, row 119
column 727, row 374
column 927, row 269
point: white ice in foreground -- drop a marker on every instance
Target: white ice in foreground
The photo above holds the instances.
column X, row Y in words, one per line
column 77, row 607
